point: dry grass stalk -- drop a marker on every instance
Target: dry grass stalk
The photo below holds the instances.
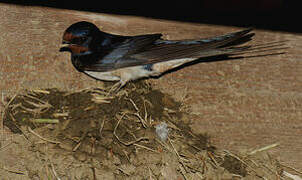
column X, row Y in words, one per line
column 57, row 115
column 5, row 108
column 39, row 136
column 101, row 128
column 212, row 158
column 40, row 91
column 183, row 171
column 48, row 121
column 54, row 171
column 130, row 142
column 13, row 119
column 143, row 121
column 13, row 171
column 38, row 108
column 180, row 160
column 2, row 115
column 99, row 99
column 37, row 99
column 144, row 147
column 163, row 144
column 77, row 146
column 265, row 148
column 88, row 90
column 4, row 146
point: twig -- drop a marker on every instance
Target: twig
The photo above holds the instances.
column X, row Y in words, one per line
column 263, row 148
column 236, row 157
column 77, row 146
column 37, row 105
column 79, row 141
column 88, row 89
column 13, row 171
column 200, row 175
column 179, row 158
column 212, row 158
column 39, row 136
column 131, row 142
column 56, row 115
column 101, row 128
column 99, row 99
column 141, row 119
column 146, row 113
column 242, row 161
column 37, row 99
column 137, row 114
column 150, row 173
column 144, row 147
column 93, row 172
column 54, row 171
column 164, row 145
column 2, row 116
column 134, row 105
column 49, row 121
column 1, row 148
column 14, row 120
column 5, row 107
column 125, row 152
column 40, row 91
column 123, row 171
column 126, row 143
column 11, row 100
column 183, row 171
column 47, row 171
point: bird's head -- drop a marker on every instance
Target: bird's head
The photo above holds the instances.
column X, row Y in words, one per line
column 79, row 38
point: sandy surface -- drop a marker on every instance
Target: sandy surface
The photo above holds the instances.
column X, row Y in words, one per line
column 242, row 104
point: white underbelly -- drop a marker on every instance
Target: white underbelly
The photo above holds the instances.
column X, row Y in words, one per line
column 104, row 76
column 124, row 74
column 137, row 72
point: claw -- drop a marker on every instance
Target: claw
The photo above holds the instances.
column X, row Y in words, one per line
column 117, row 86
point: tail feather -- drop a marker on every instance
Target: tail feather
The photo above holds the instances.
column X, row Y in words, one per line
column 230, row 39
column 165, row 50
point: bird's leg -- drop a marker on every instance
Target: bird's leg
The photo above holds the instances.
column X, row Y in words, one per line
column 117, row 86
column 122, row 83
column 114, row 87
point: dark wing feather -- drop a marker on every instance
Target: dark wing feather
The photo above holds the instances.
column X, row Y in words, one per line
column 148, row 49
column 169, row 50
column 118, row 55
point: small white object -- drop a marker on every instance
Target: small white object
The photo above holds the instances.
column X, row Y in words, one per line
column 162, row 131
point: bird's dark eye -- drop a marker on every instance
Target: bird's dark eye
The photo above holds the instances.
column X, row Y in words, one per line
column 78, row 40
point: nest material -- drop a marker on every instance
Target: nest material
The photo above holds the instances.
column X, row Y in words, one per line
column 121, row 129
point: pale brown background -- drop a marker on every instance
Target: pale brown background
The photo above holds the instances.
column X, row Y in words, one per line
column 242, row 105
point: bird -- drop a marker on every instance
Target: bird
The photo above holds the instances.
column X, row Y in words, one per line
column 111, row 57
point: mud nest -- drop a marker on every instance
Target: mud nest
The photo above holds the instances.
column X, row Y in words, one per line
column 137, row 133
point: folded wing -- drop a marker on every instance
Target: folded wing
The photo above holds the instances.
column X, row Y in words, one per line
column 150, row 49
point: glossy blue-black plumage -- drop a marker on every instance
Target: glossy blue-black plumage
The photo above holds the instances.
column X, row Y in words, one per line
column 107, row 52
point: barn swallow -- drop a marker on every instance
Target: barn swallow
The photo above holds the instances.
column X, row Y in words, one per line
column 110, row 57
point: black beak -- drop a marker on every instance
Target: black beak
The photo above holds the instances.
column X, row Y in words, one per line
column 64, row 46
column 64, row 49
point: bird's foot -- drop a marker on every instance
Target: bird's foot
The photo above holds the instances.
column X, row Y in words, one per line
column 117, row 86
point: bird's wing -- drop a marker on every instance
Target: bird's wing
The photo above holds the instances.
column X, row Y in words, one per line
column 149, row 49
column 168, row 50
column 118, row 54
